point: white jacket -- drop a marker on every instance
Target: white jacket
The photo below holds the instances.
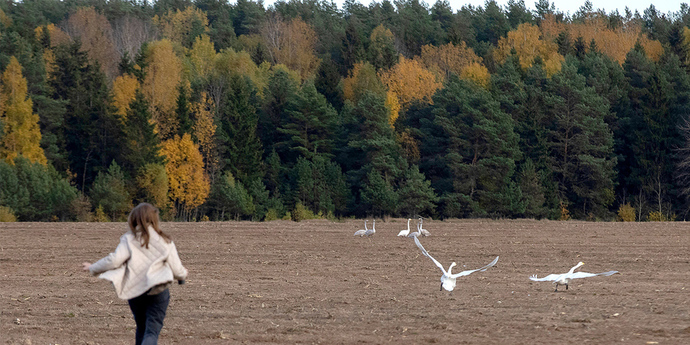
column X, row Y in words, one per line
column 134, row 269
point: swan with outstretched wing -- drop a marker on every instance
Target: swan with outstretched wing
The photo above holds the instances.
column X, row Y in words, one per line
column 565, row 278
column 448, row 279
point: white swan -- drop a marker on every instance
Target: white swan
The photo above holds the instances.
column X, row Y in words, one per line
column 362, row 231
column 372, row 230
column 448, row 278
column 405, row 232
column 424, row 232
column 565, row 278
column 416, row 233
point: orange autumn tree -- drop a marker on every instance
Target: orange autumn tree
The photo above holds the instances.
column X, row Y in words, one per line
column 291, row 43
column 410, row 82
column 124, row 91
column 22, row 134
column 163, row 75
column 188, row 186
column 528, row 43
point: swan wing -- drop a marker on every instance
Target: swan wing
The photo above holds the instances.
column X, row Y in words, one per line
column 403, row 232
column 438, row 264
column 360, row 232
column 577, row 275
column 464, row 273
column 549, row 278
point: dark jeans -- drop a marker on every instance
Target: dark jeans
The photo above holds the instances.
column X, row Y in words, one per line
column 149, row 312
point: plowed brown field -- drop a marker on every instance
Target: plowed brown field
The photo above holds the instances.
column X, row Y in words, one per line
column 283, row 282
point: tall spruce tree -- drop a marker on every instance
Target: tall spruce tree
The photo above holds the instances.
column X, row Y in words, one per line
column 237, row 124
column 142, row 145
column 580, row 143
column 92, row 128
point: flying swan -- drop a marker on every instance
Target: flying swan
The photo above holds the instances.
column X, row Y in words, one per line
column 448, row 278
column 407, row 231
column 565, row 278
column 361, row 233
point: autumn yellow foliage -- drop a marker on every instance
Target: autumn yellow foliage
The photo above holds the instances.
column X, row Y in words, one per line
column 4, row 19
column 241, row 63
column 202, row 56
column 163, row 75
column 22, row 133
column 204, row 130
column 291, row 43
column 477, row 73
column 177, row 25
column 527, row 42
column 362, row 78
column 187, row 184
column 124, row 91
column 615, row 43
column 411, row 82
column 448, row 59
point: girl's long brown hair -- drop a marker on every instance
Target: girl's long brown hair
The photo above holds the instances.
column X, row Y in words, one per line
column 141, row 217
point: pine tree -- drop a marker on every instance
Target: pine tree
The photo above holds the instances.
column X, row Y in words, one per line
column 308, row 127
column 480, row 152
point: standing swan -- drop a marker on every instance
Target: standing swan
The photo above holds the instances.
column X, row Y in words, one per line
column 416, row 233
column 448, row 278
column 363, row 231
column 405, row 232
column 565, row 278
column 372, row 230
column 424, row 232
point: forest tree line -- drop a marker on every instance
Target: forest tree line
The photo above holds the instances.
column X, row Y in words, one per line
column 217, row 110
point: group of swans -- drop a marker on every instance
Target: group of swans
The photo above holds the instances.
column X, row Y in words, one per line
column 366, row 232
column 420, row 230
column 448, row 279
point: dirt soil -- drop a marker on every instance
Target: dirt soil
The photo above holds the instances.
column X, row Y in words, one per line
column 283, row 282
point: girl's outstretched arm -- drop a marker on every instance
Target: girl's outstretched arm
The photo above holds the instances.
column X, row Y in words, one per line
column 112, row 260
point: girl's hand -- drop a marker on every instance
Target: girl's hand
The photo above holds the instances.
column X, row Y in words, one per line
column 86, row 265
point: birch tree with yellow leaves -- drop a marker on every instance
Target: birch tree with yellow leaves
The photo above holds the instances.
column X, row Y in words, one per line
column 163, row 75
column 188, row 186
column 22, row 136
